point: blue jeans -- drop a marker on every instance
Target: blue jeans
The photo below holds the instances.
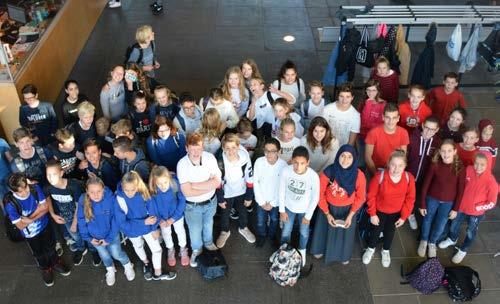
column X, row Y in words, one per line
column 288, row 227
column 79, row 242
column 200, row 221
column 112, row 250
column 472, row 226
column 434, row 222
column 262, row 215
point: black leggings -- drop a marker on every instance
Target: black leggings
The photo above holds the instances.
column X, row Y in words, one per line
column 386, row 225
column 43, row 248
column 236, row 203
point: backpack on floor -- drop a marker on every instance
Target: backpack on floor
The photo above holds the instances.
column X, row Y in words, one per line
column 463, row 283
column 212, row 264
column 286, row 263
column 426, row 277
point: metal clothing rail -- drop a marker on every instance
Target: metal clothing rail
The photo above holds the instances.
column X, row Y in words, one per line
column 422, row 14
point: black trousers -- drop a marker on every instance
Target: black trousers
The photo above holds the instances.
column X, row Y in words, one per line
column 237, row 203
column 43, row 248
column 386, row 225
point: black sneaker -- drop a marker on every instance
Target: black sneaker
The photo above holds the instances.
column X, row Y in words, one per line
column 96, row 259
column 61, row 269
column 78, row 257
column 234, row 214
column 48, row 277
column 165, row 276
column 158, row 9
column 260, row 242
column 148, row 271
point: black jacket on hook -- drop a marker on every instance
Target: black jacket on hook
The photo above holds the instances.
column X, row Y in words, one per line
column 347, row 53
column 424, row 67
column 388, row 50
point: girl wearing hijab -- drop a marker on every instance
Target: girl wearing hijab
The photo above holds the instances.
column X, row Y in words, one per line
column 342, row 193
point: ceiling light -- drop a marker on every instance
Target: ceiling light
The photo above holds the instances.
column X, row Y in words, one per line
column 289, row 38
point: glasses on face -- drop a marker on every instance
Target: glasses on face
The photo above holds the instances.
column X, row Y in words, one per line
column 164, row 130
column 430, row 129
column 29, row 98
column 189, row 108
column 270, row 151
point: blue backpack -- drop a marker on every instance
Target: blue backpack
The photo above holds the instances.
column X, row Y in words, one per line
column 426, row 277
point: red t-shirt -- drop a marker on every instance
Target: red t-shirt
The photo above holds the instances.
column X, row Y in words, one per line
column 384, row 144
column 371, row 116
column 411, row 119
column 442, row 103
column 389, row 197
column 467, row 157
column 333, row 194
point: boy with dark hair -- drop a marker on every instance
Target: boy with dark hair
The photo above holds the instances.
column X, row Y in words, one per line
column 444, row 99
column 67, row 153
column 37, row 116
column 298, row 198
column 188, row 120
column 27, row 209
column 97, row 164
column 72, row 100
column 131, row 158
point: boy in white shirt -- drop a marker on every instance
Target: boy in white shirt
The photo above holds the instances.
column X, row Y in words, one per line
column 267, row 170
column 298, row 197
column 225, row 108
column 287, row 139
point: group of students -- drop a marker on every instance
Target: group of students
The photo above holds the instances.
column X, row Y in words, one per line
column 155, row 162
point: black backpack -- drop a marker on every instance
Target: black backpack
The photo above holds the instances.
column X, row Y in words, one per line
column 13, row 233
column 463, row 283
column 212, row 264
column 131, row 48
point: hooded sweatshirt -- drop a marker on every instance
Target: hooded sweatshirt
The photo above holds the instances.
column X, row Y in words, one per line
column 490, row 145
column 420, row 152
column 104, row 225
column 186, row 124
column 139, row 164
column 480, row 192
column 132, row 212
column 237, row 178
column 167, row 152
column 170, row 204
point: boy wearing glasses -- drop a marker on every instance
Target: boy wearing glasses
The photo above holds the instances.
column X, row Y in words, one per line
column 188, row 119
column 266, row 177
column 423, row 144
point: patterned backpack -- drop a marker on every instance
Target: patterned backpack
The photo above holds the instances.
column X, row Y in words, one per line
column 463, row 283
column 427, row 277
column 285, row 265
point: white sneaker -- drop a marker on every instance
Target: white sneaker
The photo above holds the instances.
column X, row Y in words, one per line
column 194, row 254
column 221, row 240
column 459, row 256
column 413, row 222
column 114, row 4
column 110, row 276
column 431, row 251
column 129, row 271
column 446, row 243
column 303, row 254
column 368, row 255
column 386, row 258
column 247, row 234
column 422, row 248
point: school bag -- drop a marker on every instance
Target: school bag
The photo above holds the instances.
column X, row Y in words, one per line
column 131, row 48
column 463, row 283
column 13, row 233
column 212, row 264
column 426, row 277
column 286, row 264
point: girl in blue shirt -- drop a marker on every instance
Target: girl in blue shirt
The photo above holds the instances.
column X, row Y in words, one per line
column 97, row 209
column 165, row 145
column 170, row 203
column 138, row 220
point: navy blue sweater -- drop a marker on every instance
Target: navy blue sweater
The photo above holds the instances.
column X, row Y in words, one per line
column 167, row 152
column 41, row 121
column 170, row 204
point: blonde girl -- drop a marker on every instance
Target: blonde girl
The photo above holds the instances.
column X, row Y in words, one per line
column 97, row 225
column 233, row 89
column 170, row 204
column 211, row 129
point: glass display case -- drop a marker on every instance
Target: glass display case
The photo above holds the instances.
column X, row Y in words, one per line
column 22, row 25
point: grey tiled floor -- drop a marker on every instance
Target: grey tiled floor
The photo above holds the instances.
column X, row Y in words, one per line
column 197, row 41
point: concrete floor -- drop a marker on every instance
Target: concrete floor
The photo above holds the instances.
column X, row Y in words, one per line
column 197, row 41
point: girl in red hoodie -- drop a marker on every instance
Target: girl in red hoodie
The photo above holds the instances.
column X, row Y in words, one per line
column 480, row 195
column 391, row 196
column 486, row 141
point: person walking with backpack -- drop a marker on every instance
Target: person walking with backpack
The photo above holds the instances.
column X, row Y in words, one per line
column 170, row 203
column 98, row 225
column 27, row 209
column 480, row 195
column 342, row 193
column 391, row 196
column 165, row 145
column 143, row 53
column 138, row 219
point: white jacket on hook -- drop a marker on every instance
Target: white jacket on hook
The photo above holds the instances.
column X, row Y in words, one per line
column 454, row 45
column 468, row 58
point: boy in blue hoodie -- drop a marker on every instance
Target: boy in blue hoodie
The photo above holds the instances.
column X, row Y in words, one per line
column 131, row 158
column 26, row 208
column 97, row 223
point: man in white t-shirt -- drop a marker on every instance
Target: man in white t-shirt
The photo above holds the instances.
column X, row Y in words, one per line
column 199, row 176
column 343, row 118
